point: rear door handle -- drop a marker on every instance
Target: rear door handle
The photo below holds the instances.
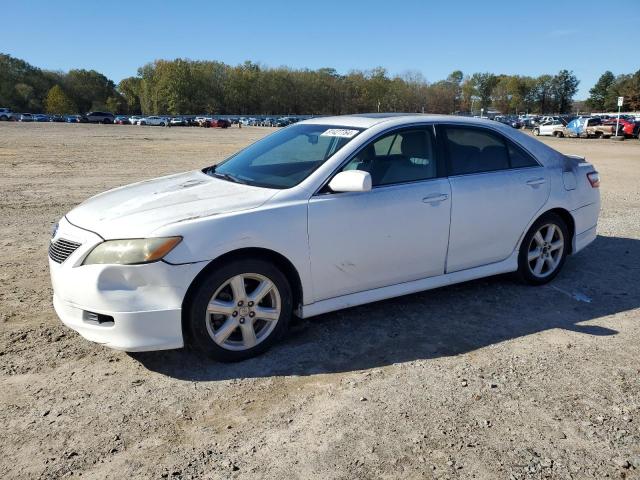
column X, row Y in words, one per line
column 535, row 182
column 435, row 198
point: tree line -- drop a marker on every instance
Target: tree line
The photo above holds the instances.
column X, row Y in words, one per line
column 184, row 86
column 604, row 94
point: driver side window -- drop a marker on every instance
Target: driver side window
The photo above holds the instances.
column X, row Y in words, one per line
column 398, row 157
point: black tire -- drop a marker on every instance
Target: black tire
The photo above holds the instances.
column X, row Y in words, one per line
column 195, row 322
column 524, row 269
column 536, row 132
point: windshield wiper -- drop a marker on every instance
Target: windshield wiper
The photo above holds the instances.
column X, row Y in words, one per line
column 226, row 176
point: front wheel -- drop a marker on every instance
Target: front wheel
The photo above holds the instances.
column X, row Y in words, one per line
column 239, row 311
column 543, row 250
column 536, row 132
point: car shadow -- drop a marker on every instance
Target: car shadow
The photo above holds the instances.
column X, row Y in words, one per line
column 599, row 281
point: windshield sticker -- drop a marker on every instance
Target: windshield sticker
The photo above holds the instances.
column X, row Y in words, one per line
column 339, row 132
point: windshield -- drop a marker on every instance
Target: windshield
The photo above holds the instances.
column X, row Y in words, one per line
column 287, row 157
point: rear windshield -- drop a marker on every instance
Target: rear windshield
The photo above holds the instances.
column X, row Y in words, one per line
column 285, row 158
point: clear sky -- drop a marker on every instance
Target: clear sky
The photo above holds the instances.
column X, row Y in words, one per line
column 115, row 37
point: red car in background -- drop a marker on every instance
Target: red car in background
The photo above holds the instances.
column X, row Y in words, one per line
column 217, row 123
column 626, row 127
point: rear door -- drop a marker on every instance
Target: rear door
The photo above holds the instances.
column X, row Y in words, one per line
column 496, row 189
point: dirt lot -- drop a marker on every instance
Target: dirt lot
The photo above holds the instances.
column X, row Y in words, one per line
column 489, row 379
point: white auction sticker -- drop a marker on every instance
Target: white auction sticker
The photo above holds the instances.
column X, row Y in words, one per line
column 339, row 132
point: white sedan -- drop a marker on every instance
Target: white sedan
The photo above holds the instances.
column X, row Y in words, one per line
column 154, row 120
column 550, row 128
column 322, row 215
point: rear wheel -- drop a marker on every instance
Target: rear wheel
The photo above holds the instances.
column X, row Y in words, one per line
column 543, row 250
column 239, row 311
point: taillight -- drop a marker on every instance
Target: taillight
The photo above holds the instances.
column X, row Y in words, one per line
column 594, row 179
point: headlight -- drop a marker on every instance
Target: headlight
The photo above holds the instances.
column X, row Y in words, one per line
column 131, row 251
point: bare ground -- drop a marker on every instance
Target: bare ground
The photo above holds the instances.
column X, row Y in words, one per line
column 488, row 379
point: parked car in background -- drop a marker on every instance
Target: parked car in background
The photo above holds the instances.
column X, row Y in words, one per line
column 588, row 127
column 200, row 120
column 217, row 123
column 134, row 119
column 121, row 120
column 323, row 215
column 73, row 118
column 56, row 118
column 178, row 122
column 625, row 126
column 154, row 120
column 513, row 122
column 550, row 127
column 26, row 117
column 40, row 117
column 282, row 122
column 99, row 117
column 529, row 121
column 5, row 114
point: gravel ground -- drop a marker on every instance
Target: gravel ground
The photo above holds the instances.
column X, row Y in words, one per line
column 488, row 379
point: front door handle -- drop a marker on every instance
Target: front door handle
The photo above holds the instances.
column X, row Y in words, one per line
column 435, row 198
column 535, row 182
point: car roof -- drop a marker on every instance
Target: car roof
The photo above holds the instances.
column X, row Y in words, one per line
column 547, row 155
column 368, row 120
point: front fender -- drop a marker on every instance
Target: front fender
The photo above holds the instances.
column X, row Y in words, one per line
column 281, row 229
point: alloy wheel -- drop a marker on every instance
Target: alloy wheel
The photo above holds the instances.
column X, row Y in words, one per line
column 545, row 250
column 243, row 311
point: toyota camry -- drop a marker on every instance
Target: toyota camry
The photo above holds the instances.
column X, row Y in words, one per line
column 322, row 215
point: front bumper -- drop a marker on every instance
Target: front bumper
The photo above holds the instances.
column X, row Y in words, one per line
column 144, row 301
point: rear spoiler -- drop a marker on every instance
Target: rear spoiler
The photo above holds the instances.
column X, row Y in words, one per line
column 571, row 162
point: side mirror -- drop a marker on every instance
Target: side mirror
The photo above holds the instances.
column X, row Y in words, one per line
column 351, row 181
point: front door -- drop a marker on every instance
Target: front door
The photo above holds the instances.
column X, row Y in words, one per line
column 395, row 233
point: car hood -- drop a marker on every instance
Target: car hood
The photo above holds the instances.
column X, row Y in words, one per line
column 139, row 209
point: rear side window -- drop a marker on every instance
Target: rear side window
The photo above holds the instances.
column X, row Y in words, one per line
column 475, row 150
column 519, row 158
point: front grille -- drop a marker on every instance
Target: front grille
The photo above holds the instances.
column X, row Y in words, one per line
column 60, row 250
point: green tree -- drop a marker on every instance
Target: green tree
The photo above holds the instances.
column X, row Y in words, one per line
column 484, row 84
column 58, row 102
column 565, row 85
column 543, row 94
column 628, row 86
column 130, row 90
column 88, row 89
column 600, row 91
